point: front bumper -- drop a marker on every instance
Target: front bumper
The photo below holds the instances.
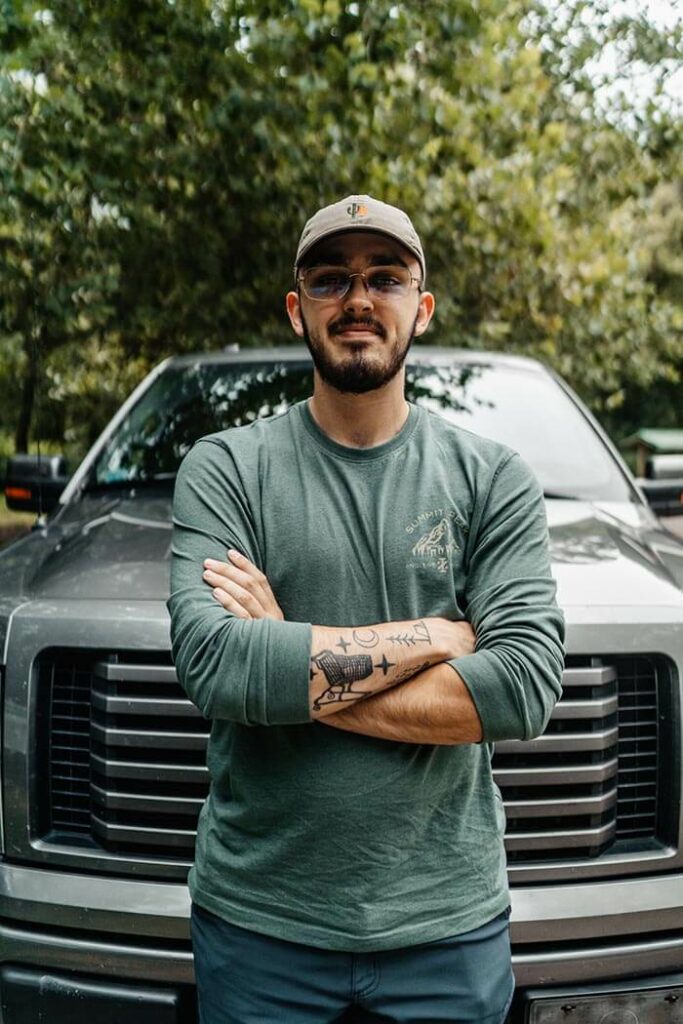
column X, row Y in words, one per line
column 137, row 929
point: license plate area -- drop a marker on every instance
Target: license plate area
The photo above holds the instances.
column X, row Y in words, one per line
column 654, row 1006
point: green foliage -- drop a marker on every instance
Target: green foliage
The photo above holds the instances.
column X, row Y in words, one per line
column 158, row 160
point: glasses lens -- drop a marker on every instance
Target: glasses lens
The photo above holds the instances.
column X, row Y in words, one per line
column 326, row 282
column 388, row 282
column 334, row 282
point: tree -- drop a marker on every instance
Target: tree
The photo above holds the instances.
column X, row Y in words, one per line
column 158, row 160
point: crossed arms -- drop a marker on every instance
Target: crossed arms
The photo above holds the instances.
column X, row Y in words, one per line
column 420, row 680
column 387, row 680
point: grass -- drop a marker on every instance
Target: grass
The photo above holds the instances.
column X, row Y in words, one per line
column 13, row 524
column 8, row 517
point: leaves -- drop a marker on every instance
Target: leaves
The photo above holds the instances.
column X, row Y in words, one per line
column 158, row 161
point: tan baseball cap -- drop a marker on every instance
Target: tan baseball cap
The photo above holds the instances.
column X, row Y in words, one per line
column 360, row 213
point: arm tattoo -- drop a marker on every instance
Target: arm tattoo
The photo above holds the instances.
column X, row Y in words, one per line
column 341, row 672
column 420, row 635
column 366, row 638
column 410, row 672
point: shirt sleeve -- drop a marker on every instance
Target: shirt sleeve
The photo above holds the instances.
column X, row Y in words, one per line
column 514, row 675
column 252, row 671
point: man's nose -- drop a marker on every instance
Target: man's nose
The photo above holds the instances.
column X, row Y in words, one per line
column 357, row 298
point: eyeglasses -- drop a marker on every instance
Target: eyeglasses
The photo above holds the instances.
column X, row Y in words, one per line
column 381, row 283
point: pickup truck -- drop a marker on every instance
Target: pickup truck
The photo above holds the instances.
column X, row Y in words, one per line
column 103, row 756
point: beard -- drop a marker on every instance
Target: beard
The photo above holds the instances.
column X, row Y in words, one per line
column 357, row 373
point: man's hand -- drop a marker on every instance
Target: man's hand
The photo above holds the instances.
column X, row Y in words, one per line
column 462, row 638
column 241, row 588
column 245, row 591
column 432, row 706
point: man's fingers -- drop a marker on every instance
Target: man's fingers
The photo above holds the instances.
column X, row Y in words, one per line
column 255, row 591
column 242, row 562
column 230, row 604
column 247, row 579
column 243, row 597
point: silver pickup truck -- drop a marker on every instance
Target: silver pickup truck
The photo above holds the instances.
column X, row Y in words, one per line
column 103, row 756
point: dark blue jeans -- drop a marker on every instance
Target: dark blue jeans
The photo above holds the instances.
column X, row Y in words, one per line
column 247, row 978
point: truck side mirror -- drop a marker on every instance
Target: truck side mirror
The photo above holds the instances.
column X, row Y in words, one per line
column 35, row 482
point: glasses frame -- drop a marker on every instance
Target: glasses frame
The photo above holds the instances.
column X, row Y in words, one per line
column 359, row 273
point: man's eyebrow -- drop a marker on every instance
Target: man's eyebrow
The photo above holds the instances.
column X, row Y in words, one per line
column 391, row 259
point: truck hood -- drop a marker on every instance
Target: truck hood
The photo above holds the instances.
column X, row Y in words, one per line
column 99, row 548
column 118, row 548
column 613, row 554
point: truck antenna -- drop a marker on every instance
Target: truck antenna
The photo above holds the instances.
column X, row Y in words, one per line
column 36, row 358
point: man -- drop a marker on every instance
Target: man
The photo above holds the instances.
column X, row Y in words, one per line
column 331, row 568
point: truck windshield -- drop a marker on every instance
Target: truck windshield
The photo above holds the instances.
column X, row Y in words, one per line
column 520, row 406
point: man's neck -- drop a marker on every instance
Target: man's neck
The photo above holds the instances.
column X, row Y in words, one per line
column 360, row 421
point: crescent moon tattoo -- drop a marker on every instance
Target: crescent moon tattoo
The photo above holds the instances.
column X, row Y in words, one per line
column 366, row 637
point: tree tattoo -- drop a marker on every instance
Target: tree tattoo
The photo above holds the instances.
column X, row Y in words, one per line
column 420, row 635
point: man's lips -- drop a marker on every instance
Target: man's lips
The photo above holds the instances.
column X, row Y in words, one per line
column 356, row 330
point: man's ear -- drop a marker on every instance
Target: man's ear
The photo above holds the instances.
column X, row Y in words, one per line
column 293, row 305
column 425, row 312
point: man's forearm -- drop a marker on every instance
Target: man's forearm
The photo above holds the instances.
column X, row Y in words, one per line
column 433, row 707
column 351, row 665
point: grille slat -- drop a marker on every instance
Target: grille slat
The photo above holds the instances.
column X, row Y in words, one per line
column 558, row 742
column 567, row 775
column 588, row 839
column 578, row 807
column 127, row 759
column 152, row 706
column 145, row 772
column 111, row 736
column 142, row 803
column 155, row 837
column 589, row 675
column 572, row 709
column 135, row 672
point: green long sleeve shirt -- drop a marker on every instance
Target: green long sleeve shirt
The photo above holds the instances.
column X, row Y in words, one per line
column 314, row 834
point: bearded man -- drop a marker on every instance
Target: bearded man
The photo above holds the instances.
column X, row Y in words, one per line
column 356, row 671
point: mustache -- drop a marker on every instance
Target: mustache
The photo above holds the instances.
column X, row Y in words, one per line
column 345, row 322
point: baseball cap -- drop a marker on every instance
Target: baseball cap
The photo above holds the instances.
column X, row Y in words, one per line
column 360, row 213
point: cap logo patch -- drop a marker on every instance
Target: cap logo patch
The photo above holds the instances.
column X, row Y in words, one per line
column 357, row 211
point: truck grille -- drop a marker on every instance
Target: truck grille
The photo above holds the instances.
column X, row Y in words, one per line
column 127, row 756
column 591, row 778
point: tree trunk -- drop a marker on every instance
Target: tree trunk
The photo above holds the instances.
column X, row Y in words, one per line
column 28, row 391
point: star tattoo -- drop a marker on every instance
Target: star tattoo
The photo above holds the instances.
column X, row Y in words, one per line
column 384, row 664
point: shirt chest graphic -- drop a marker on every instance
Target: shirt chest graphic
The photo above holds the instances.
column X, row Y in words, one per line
column 434, row 539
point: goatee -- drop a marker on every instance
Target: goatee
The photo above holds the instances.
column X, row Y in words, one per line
column 357, row 374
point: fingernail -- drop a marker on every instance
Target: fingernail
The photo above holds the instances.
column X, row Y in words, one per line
column 209, row 563
column 233, row 553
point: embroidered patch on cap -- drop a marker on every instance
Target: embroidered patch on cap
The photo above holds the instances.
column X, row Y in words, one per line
column 357, row 211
